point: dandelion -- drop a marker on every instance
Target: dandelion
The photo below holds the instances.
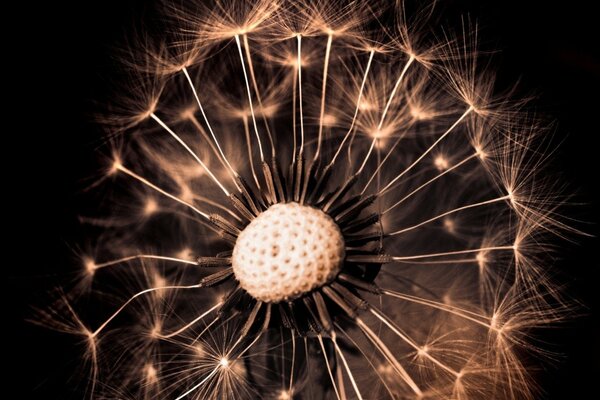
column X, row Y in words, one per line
column 315, row 202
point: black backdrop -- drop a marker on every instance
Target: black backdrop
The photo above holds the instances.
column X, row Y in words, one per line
column 56, row 56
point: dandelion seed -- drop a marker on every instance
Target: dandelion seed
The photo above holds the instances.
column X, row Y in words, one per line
column 331, row 207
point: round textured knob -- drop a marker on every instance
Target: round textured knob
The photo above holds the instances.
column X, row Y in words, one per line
column 287, row 251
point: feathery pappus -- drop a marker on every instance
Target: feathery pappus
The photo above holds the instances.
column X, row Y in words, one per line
column 315, row 200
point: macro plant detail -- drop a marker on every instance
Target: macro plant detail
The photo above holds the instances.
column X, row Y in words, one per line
column 310, row 200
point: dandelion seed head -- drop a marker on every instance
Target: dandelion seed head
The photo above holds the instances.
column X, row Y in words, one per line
column 314, row 202
column 287, row 251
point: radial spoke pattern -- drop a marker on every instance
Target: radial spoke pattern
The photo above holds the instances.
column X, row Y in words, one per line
column 400, row 142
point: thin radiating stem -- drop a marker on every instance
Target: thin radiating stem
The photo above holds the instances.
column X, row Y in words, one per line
column 294, row 133
column 192, row 118
column 192, row 323
column 386, row 109
column 307, row 356
column 282, row 347
column 367, row 358
column 356, row 110
column 323, row 95
column 189, row 150
column 340, row 379
column 215, row 204
column 207, row 327
column 251, row 319
column 249, row 146
column 411, row 166
column 410, row 342
column 335, row 389
column 202, row 382
column 465, row 314
column 380, row 164
column 191, row 83
column 251, row 343
column 299, row 39
column 262, row 330
column 258, row 97
column 364, row 163
column 94, row 359
column 291, row 385
column 483, row 203
column 454, row 261
column 451, row 253
column 249, row 93
column 146, row 182
column 429, row 182
column 346, row 367
column 387, row 353
column 141, row 257
column 393, row 94
column 135, row 296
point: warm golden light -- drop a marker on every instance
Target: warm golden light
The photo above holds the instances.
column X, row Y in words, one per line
column 307, row 203
column 224, row 362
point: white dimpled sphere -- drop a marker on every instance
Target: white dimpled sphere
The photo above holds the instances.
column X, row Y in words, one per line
column 287, row 251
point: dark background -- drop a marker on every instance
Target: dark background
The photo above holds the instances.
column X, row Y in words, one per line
column 58, row 58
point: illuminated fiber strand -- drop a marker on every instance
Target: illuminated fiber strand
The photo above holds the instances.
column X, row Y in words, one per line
column 390, row 245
